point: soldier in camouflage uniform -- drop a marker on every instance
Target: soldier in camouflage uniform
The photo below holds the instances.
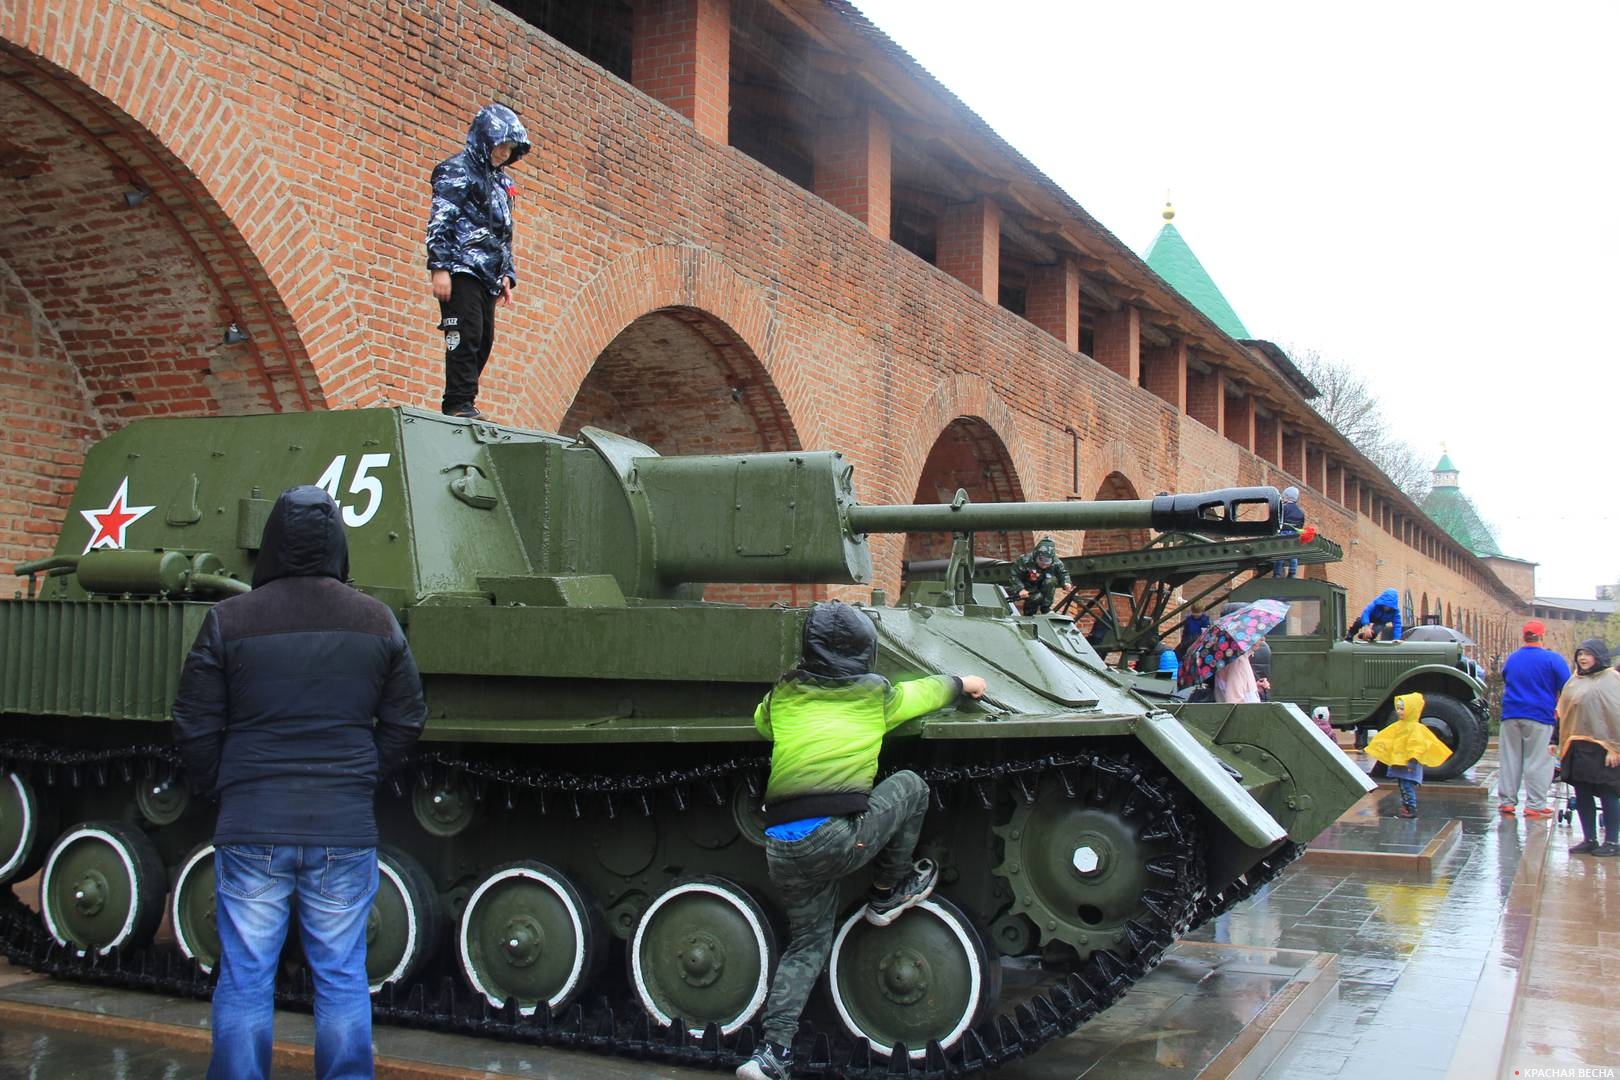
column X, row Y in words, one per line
column 824, row 820
column 469, row 248
column 1036, row 578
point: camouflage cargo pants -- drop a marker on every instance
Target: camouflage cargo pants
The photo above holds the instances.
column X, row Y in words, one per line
column 1040, row 600
column 806, row 873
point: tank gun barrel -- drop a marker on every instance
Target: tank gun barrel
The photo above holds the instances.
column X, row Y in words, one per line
column 1238, row 511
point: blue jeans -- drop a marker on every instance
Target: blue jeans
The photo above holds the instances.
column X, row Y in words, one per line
column 255, row 889
column 1408, row 793
column 1286, row 567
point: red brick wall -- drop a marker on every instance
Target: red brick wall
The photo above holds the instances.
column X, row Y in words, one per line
column 681, row 55
column 295, row 142
column 49, row 421
column 970, row 245
column 853, row 168
column 1054, row 301
column 1119, row 342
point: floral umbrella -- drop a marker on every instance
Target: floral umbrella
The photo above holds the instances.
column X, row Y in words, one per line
column 1229, row 637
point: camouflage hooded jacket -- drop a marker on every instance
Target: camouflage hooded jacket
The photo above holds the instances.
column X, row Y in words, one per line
column 469, row 229
column 1027, row 575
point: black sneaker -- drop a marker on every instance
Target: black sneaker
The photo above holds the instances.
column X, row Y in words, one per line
column 770, row 1062
column 1583, row 847
column 1606, row 851
column 464, row 412
column 883, row 908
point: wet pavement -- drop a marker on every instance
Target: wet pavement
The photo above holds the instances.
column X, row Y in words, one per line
column 1493, row 954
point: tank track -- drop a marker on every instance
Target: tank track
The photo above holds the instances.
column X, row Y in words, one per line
column 1212, row 905
column 604, row 1027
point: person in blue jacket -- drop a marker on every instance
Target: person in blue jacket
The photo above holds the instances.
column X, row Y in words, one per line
column 1379, row 620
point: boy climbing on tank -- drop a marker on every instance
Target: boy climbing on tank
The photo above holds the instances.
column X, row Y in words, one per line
column 1036, row 577
column 824, row 818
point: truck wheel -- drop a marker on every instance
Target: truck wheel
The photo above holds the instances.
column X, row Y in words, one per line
column 1457, row 727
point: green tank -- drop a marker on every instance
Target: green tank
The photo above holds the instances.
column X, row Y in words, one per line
column 574, row 855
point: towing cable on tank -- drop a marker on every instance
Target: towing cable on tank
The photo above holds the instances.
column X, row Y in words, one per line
column 1074, row 997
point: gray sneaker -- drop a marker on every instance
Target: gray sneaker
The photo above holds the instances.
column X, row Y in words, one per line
column 770, row 1062
column 917, row 886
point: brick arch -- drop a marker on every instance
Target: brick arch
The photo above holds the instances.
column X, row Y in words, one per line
column 683, row 381
column 968, row 455
column 666, row 277
column 1116, row 485
column 1112, row 463
column 961, row 395
column 181, row 138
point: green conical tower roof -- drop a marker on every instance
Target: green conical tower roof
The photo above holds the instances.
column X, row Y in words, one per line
column 1173, row 260
column 1454, row 512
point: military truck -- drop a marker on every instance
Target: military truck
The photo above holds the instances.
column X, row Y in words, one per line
column 573, row 856
column 1132, row 594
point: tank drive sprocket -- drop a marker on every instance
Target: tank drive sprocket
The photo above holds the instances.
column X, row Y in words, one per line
column 1098, row 856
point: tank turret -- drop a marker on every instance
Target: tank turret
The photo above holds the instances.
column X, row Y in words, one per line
column 418, row 491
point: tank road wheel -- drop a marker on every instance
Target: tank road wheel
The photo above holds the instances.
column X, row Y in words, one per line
column 1456, row 725
column 162, row 802
column 531, row 934
column 103, row 887
column 923, row 977
column 702, row 951
column 191, row 908
column 1101, row 869
column 445, row 808
column 20, row 828
column 402, row 929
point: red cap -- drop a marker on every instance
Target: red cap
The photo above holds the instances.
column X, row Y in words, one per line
column 1536, row 627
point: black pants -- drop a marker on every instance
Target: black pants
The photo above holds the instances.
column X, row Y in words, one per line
column 468, row 322
column 1604, row 796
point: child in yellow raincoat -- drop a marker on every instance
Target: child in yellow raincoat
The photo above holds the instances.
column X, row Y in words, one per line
column 1406, row 746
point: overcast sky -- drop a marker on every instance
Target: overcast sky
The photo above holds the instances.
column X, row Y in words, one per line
column 1429, row 192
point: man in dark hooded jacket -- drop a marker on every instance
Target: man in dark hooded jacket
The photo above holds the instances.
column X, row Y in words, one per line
column 274, row 716
column 824, row 819
column 469, row 248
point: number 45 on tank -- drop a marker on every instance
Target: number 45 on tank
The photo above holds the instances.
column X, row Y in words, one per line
column 363, row 483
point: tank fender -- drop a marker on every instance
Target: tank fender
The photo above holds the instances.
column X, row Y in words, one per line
column 1194, row 762
column 1315, row 767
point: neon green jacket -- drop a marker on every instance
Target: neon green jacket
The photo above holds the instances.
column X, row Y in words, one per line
column 827, row 734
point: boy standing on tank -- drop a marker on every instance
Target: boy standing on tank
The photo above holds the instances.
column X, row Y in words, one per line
column 469, row 249
column 824, row 819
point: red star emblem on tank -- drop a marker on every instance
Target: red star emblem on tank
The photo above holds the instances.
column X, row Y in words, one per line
column 107, row 525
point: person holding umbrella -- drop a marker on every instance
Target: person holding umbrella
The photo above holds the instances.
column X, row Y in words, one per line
column 1221, row 653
